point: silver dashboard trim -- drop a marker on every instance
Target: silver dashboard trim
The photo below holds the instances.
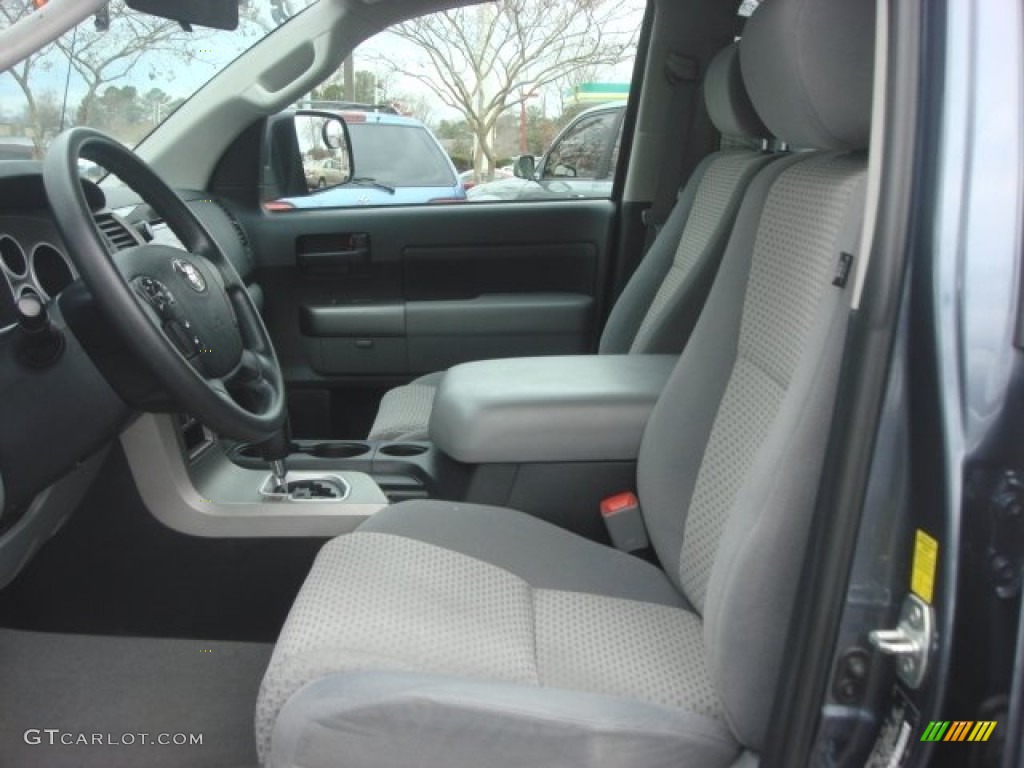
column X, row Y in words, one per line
column 213, row 497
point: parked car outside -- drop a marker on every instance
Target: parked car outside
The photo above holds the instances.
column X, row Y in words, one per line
column 396, row 160
column 579, row 163
column 468, row 178
column 326, row 173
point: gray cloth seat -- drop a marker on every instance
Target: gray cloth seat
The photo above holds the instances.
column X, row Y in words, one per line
column 661, row 302
column 461, row 635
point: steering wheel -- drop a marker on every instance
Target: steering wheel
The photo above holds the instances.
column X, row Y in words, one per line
column 185, row 313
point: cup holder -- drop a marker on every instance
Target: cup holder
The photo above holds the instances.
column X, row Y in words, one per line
column 403, row 449
column 338, row 450
column 250, row 451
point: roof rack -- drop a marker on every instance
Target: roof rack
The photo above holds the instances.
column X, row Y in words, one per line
column 349, row 106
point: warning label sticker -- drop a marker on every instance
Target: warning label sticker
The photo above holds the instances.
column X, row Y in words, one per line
column 926, row 558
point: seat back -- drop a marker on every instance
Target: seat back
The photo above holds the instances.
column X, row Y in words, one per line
column 661, row 302
column 731, row 458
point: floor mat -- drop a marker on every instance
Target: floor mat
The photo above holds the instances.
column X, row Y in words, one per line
column 81, row 700
column 115, row 570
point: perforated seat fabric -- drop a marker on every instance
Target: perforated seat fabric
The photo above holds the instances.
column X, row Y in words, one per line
column 460, row 619
column 420, row 635
column 662, row 300
column 404, row 412
column 546, row 556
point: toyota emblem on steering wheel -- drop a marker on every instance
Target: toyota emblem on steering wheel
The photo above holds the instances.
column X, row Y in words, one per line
column 192, row 275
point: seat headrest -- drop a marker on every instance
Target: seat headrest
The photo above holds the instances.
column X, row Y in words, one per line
column 808, row 67
column 726, row 97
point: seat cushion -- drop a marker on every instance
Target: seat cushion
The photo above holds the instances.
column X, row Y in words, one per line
column 404, row 412
column 384, row 600
column 402, row 719
column 546, row 556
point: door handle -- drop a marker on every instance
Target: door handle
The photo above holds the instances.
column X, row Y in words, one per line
column 346, row 252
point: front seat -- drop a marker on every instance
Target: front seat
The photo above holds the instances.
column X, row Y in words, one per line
column 444, row 634
column 661, row 302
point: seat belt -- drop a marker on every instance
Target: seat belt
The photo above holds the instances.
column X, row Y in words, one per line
column 683, row 74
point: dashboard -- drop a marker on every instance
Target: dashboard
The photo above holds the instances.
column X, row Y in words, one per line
column 32, row 260
column 56, row 416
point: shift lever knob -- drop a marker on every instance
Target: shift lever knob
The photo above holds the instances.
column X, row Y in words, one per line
column 278, row 446
column 275, row 450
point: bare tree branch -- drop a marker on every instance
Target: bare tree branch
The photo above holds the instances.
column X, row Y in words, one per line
column 114, row 56
column 484, row 59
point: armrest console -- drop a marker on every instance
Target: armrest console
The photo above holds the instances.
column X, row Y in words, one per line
column 548, row 409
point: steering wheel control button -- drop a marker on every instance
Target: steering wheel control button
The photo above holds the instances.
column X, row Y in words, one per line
column 155, row 293
column 181, row 338
column 190, row 273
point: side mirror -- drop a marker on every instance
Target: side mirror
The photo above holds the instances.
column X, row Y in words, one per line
column 325, row 148
column 524, row 167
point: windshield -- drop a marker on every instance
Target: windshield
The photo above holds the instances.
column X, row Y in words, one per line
column 120, row 71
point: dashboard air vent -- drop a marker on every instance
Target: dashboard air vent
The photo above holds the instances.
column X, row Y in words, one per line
column 117, row 235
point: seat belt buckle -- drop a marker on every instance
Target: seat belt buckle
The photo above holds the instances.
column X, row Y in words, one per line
column 624, row 522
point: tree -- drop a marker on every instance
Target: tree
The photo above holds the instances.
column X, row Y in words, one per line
column 118, row 108
column 414, row 105
column 101, row 58
column 451, row 129
column 540, row 130
column 34, row 115
column 482, row 60
column 155, row 102
column 369, row 89
column 43, row 119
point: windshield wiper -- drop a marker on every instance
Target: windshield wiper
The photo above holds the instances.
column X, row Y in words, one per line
column 367, row 181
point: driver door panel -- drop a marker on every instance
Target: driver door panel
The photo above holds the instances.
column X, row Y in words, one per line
column 366, row 298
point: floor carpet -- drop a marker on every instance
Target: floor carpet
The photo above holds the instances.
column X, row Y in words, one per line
column 114, row 689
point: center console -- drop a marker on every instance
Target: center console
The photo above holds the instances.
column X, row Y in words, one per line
column 579, row 408
column 199, row 490
column 551, row 436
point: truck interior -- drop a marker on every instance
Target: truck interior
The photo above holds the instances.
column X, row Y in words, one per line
column 551, row 482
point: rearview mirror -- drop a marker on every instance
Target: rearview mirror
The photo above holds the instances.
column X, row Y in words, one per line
column 524, row 167
column 218, row 14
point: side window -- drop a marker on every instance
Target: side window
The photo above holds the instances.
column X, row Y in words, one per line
column 583, row 152
column 466, row 104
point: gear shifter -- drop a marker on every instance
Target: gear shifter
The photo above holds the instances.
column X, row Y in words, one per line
column 308, row 486
column 275, row 451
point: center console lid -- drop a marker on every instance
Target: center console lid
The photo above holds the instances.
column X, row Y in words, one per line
column 547, row 409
